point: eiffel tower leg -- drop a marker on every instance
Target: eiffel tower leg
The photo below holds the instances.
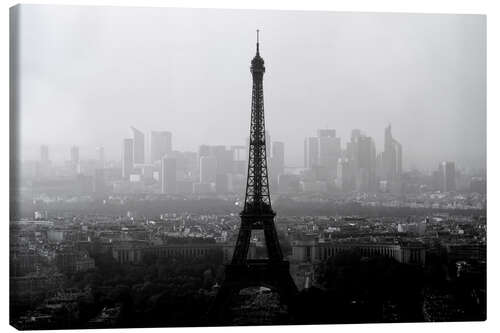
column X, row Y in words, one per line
column 218, row 309
column 275, row 276
column 272, row 243
column 242, row 243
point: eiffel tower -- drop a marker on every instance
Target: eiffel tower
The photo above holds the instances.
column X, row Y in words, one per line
column 257, row 214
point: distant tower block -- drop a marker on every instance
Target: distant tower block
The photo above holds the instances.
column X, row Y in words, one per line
column 257, row 214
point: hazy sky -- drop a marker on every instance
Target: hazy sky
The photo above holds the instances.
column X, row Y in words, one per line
column 89, row 73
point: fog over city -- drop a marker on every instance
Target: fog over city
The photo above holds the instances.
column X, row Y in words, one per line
column 89, row 73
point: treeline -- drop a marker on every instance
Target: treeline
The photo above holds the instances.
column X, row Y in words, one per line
column 355, row 289
column 360, row 290
column 172, row 291
column 284, row 207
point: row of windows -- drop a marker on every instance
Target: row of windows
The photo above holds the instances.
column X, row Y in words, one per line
column 126, row 256
column 134, row 255
column 415, row 256
column 326, row 252
column 182, row 251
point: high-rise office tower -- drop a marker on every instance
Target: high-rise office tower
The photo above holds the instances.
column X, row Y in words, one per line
column 221, row 183
column 392, row 159
column 43, row 168
column 208, row 169
column 448, row 176
column 204, row 150
column 75, row 155
column 127, row 158
column 168, row 175
column 224, row 159
column 190, row 164
column 278, row 158
column 182, row 164
column 161, row 144
column 138, row 146
column 364, row 158
column 100, row 156
column 311, row 152
column 268, row 144
column 329, row 151
column 44, row 154
column 398, row 148
column 240, row 156
column 240, row 153
column 75, row 159
column 345, row 176
column 328, row 133
column 279, row 155
column 388, row 156
column 355, row 134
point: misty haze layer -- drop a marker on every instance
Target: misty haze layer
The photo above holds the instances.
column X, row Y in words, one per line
column 89, row 73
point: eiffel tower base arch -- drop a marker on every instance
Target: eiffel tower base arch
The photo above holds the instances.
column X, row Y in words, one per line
column 254, row 273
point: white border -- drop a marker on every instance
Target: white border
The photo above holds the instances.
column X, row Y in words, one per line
column 490, row 8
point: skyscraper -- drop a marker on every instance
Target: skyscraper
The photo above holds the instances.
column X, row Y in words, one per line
column 447, row 176
column 168, row 175
column 363, row 158
column 268, row 144
column 221, row 183
column 392, row 157
column 277, row 161
column 138, row 146
column 311, row 152
column 127, row 158
column 43, row 168
column 204, row 150
column 100, row 156
column 208, row 169
column 328, row 133
column 355, row 134
column 398, row 149
column 329, row 151
column 224, row 159
column 44, row 153
column 161, row 144
column 75, row 155
column 75, row 159
column 345, row 177
column 240, row 153
column 278, row 158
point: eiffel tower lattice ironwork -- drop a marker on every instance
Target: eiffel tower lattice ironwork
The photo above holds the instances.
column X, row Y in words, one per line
column 257, row 214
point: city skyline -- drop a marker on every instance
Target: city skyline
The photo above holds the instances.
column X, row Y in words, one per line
column 407, row 72
column 64, row 152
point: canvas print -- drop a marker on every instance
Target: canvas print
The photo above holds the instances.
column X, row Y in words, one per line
column 204, row 167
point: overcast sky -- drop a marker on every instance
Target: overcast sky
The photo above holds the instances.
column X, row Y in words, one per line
column 89, row 73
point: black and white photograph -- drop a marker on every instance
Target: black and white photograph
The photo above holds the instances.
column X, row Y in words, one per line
column 188, row 167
